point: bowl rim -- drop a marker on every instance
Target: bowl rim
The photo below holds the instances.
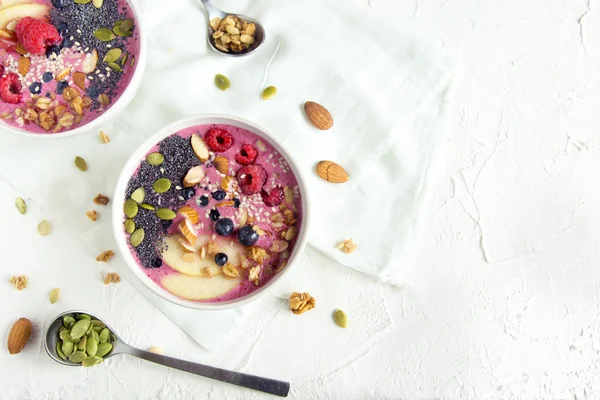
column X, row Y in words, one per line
column 131, row 165
column 121, row 103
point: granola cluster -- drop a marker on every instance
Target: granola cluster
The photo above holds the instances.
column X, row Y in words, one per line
column 232, row 34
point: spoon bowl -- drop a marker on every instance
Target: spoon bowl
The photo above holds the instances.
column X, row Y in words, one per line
column 213, row 12
column 266, row 385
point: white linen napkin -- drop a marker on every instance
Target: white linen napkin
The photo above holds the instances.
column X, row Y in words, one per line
column 387, row 93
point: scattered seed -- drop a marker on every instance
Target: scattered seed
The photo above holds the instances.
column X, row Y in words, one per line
column 104, row 137
column 269, row 92
column 21, row 205
column 54, row 295
column 155, row 159
column 222, row 82
column 340, row 318
column 81, row 163
column 44, row 228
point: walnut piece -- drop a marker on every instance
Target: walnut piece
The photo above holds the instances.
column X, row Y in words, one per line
column 105, row 256
column 101, row 199
column 347, row 246
column 19, row 282
column 301, row 302
column 257, row 254
column 112, row 277
column 92, row 215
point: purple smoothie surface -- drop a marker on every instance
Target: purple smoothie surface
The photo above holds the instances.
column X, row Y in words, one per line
column 179, row 158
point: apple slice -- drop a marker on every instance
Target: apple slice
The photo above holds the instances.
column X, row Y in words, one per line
column 8, row 3
column 198, row 288
column 8, row 14
column 173, row 256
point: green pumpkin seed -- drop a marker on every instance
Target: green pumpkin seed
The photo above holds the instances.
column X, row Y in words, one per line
column 103, row 336
column 161, row 185
column 67, row 348
column 113, row 337
column 119, row 22
column 80, row 328
column 130, row 208
column 59, row 350
column 77, row 356
column 155, row 158
column 113, row 55
column 66, row 336
column 127, row 24
column 54, row 295
column 340, row 318
column 91, row 347
column 104, row 349
column 81, row 1
column 43, row 228
column 97, row 3
column 91, row 361
column 137, row 238
column 97, row 329
column 71, row 324
column 97, row 323
column 82, row 316
column 124, row 60
column 138, row 195
column 132, row 60
column 147, row 206
column 82, row 343
column 129, row 226
column 114, row 66
column 21, row 205
column 165, row 214
column 222, row 82
column 105, row 35
column 89, row 329
column 95, row 336
column 67, row 319
column 269, row 92
column 62, row 328
column 81, row 163
column 118, row 30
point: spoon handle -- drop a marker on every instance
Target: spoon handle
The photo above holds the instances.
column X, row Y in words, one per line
column 266, row 385
column 210, row 8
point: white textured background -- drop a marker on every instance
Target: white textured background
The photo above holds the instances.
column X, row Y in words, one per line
column 503, row 302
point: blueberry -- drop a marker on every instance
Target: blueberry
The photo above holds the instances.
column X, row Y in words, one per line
column 219, row 195
column 166, row 224
column 62, row 28
column 35, row 87
column 188, row 193
column 67, row 42
column 221, row 259
column 94, row 92
column 236, row 202
column 156, row 263
column 47, row 77
column 61, row 86
column 224, row 227
column 54, row 49
column 214, row 215
column 247, row 236
column 59, row 3
column 203, row 201
column 48, row 95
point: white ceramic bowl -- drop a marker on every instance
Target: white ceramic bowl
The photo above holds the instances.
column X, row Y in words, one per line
column 131, row 166
column 122, row 102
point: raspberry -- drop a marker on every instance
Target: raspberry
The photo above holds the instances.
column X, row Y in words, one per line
column 10, row 89
column 251, row 178
column 218, row 139
column 36, row 35
column 273, row 197
column 247, row 154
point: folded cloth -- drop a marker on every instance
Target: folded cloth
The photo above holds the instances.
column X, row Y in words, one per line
column 387, row 93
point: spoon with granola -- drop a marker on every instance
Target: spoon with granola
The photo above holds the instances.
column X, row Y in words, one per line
column 232, row 34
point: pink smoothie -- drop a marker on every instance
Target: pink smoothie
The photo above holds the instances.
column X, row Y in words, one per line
column 77, row 62
column 267, row 220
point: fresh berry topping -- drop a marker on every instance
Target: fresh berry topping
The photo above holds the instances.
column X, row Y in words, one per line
column 156, row 263
column 36, row 35
column 35, row 88
column 1, row 69
column 224, row 227
column 166, row 224
column 203, row 200
column 67, row 42
column 247, row 154
column 188, row 193
column 272, row 198
column 218, row 139
column 214, row 215
column 236, row 202
column 60, row 3
column 54, row 49
column 10, row 89
column 219, row 195
column 247, row 236
column 251, row 178
column 47, row 77
column 61, row 86
column 221, row 259
column 94, row 92
column 62, row 28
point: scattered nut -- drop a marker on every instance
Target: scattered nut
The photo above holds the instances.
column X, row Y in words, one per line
column 101, row 199
column 232, row 33
column 155, row 350
column 105, row 256
column 347, row 246
column 92, row 215
column 301, row 302
column 318, row 115
column 332, row 172
column 19, row 282
column 112, row 277
column 19, row 335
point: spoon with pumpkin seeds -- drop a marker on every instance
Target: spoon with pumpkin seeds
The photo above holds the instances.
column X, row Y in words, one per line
column 80, row 338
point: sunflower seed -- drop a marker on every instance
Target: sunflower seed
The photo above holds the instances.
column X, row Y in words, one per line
column 21, row 205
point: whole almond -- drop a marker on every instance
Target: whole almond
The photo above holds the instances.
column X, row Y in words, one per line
column 200, row 148
column 19, row 335
column 318, row 115
column 332, row 172
column 221, row 164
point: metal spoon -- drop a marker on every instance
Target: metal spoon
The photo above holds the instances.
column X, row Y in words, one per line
column 213, row 12
column 272, row 386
